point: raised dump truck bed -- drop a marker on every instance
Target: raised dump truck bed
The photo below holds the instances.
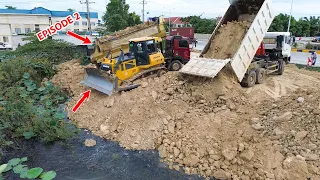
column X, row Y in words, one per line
column 261, row 15
column 119, row 41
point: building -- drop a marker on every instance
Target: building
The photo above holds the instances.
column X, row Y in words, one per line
column 21, row 21
column 175, row 22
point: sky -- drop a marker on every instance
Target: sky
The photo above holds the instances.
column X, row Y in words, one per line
column 206, row 8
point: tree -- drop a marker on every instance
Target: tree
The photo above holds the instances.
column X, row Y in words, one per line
column 116, row 16
column 201, row 25
column 71, row 10
column 133, row 19
column 303, row 27
column 10, row 7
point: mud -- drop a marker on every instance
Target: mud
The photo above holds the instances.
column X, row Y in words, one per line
column 213, row 127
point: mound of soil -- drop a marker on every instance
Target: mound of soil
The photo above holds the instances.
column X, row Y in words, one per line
column 227, row 40
column 126, row 31
column 205, row 126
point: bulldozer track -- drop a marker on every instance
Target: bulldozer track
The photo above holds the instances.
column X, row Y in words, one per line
column 143, row 73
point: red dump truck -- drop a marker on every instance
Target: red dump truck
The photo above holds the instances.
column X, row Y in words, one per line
column 183, row 31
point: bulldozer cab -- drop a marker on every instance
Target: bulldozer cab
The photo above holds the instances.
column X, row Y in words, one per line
column 142, row 48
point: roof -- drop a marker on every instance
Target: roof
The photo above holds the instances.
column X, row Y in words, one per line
column 174, row 20
column 44, row 11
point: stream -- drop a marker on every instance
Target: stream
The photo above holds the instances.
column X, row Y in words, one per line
column 106, row 160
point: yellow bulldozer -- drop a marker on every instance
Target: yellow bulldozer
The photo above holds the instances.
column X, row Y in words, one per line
column 118, row 74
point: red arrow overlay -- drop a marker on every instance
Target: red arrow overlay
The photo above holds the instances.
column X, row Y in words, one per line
column 85, row 40
column 85, row 96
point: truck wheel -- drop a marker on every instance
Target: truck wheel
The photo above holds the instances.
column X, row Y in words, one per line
column 281, row 67
column 249, row 80
column 287, row 60
column 176, row 65
column 261, row 75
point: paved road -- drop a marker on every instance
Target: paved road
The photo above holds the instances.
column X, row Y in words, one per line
column 297, row 57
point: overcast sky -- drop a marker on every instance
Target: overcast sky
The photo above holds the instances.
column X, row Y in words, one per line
column 209, row 8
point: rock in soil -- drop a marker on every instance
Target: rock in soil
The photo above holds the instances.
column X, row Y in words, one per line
column 90, row 142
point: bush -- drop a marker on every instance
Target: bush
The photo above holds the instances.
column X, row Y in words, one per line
column 56, row 51
column 29, row 103
column 308, row 46
column 12, row 71
column 31, row 109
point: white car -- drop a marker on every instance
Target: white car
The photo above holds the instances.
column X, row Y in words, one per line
column 5, row 46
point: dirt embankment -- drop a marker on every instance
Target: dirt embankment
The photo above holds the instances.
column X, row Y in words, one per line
column 207, row 127
column 126, row 31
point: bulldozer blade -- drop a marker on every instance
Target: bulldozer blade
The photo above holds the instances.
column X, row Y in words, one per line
column 204, row 67
column 96, row 80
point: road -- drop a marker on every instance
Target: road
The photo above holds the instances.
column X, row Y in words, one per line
column 296, row 57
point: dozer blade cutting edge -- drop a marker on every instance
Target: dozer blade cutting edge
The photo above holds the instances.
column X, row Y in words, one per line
column 96, row 80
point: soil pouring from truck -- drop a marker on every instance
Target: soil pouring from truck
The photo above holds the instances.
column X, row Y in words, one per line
column 248, row 64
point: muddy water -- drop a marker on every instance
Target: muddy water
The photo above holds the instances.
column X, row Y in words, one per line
column 107, row 160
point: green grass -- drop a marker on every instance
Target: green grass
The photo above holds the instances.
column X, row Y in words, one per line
column 317, row 69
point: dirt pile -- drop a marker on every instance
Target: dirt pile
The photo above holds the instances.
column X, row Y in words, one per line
column 292, row 124
column 126, row 31
column 207, row 127
column 227, row 40
column 70, row 75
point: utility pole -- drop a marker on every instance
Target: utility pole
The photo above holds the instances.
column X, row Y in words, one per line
column 50, row 23
column 143, row 3
column 88, row 15
column 289, row 24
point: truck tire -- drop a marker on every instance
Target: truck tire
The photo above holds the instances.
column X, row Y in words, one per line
column 261, row 75
column 175, row 65
column 287, row 60
column 250, row 79
column 281, row 67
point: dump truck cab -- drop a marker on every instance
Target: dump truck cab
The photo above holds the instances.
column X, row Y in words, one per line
column 177, row 52
column 279, row 42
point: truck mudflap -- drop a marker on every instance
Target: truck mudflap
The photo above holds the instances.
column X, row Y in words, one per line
column 96, row 80
column 204, row 67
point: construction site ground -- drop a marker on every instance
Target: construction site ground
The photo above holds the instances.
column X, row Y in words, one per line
column 211, row 127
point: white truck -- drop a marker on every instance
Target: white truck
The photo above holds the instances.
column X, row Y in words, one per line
column 248, row 69
column 283, row 41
